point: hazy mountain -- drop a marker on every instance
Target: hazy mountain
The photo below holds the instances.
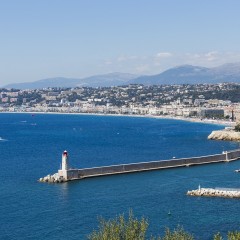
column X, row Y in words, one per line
column 228, row 69
column 105, row 80
column 44, row 83
column 193, row 74
column 178, row 75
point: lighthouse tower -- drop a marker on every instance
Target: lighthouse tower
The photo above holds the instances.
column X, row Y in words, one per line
column 63, row 172
column 65, row 161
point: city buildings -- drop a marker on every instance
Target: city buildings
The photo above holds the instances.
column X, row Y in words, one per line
column 201, row 100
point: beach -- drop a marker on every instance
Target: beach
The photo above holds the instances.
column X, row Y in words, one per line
column 195, row 119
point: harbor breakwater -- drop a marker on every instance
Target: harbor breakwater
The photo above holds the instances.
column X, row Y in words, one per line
column 215, row 192
column 66, row 174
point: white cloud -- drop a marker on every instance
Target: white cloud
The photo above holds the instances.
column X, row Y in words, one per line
column 124, row 58
column 164, row 55
column 212, row 56
column 142, row 68
column 108, row 62
column 157, row 63
column 205, row 59
column 121, row 58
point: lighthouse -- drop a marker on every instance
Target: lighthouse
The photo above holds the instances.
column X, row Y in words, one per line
column 63, row 172
column 65, row 161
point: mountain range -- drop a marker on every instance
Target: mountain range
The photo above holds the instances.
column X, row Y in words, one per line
column 185, row 74
column 188, row 74
column 105, row 80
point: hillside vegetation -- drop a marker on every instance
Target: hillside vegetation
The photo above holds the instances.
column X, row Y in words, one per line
column 131, row 228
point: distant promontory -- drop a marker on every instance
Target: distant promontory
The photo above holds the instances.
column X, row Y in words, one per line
column 227, row 134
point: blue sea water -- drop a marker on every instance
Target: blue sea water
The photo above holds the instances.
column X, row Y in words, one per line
column 31, row 147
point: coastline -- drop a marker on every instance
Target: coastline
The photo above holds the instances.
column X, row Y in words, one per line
column 196, row 120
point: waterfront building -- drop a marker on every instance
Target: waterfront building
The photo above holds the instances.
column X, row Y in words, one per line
column 211, row 113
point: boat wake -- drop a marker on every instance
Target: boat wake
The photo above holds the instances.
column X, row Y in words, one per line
column 2, row 139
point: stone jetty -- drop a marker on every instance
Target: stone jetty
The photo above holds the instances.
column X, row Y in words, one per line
column 66, row 173
column 213, row 192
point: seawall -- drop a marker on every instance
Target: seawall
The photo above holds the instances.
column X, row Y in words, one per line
column 74, row 174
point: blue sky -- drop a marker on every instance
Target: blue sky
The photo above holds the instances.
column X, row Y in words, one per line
column 79, row 38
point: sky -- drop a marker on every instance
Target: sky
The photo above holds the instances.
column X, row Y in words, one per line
column 80, row 38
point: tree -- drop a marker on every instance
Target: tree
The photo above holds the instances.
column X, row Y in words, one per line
column 131, row 228
column 121, row 229
column 177, row 234
column 233, row 235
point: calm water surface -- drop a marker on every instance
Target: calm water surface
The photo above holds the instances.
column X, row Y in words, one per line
column 31, row 147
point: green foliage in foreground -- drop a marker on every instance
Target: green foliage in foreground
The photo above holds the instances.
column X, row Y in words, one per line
column 234, row 235
column 131, row 228
column 121, row 228
column 231, row 236
column 176, row 234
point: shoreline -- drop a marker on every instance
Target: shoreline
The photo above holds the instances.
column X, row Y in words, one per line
column 195, row 120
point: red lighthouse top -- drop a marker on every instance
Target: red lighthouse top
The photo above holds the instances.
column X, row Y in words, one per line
column 65, row 153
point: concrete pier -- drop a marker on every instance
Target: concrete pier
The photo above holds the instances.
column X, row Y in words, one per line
column 68, row 174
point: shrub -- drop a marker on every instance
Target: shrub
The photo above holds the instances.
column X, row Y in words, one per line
column 217, row 236
column 131, row 228
column 237, row 127
column 234, row 235
column 121, row 229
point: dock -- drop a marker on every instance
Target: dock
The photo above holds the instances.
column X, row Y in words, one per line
column 68, row 174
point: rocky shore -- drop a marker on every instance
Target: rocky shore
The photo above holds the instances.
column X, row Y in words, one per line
column 55, row 178
column 211, row 192
column 227, row 134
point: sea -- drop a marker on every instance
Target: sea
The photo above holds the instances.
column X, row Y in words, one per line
column 31, row 146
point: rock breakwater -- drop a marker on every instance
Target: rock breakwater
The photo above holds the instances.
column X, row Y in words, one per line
column 226, row 134
column 55, row 178
column 211, row 192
